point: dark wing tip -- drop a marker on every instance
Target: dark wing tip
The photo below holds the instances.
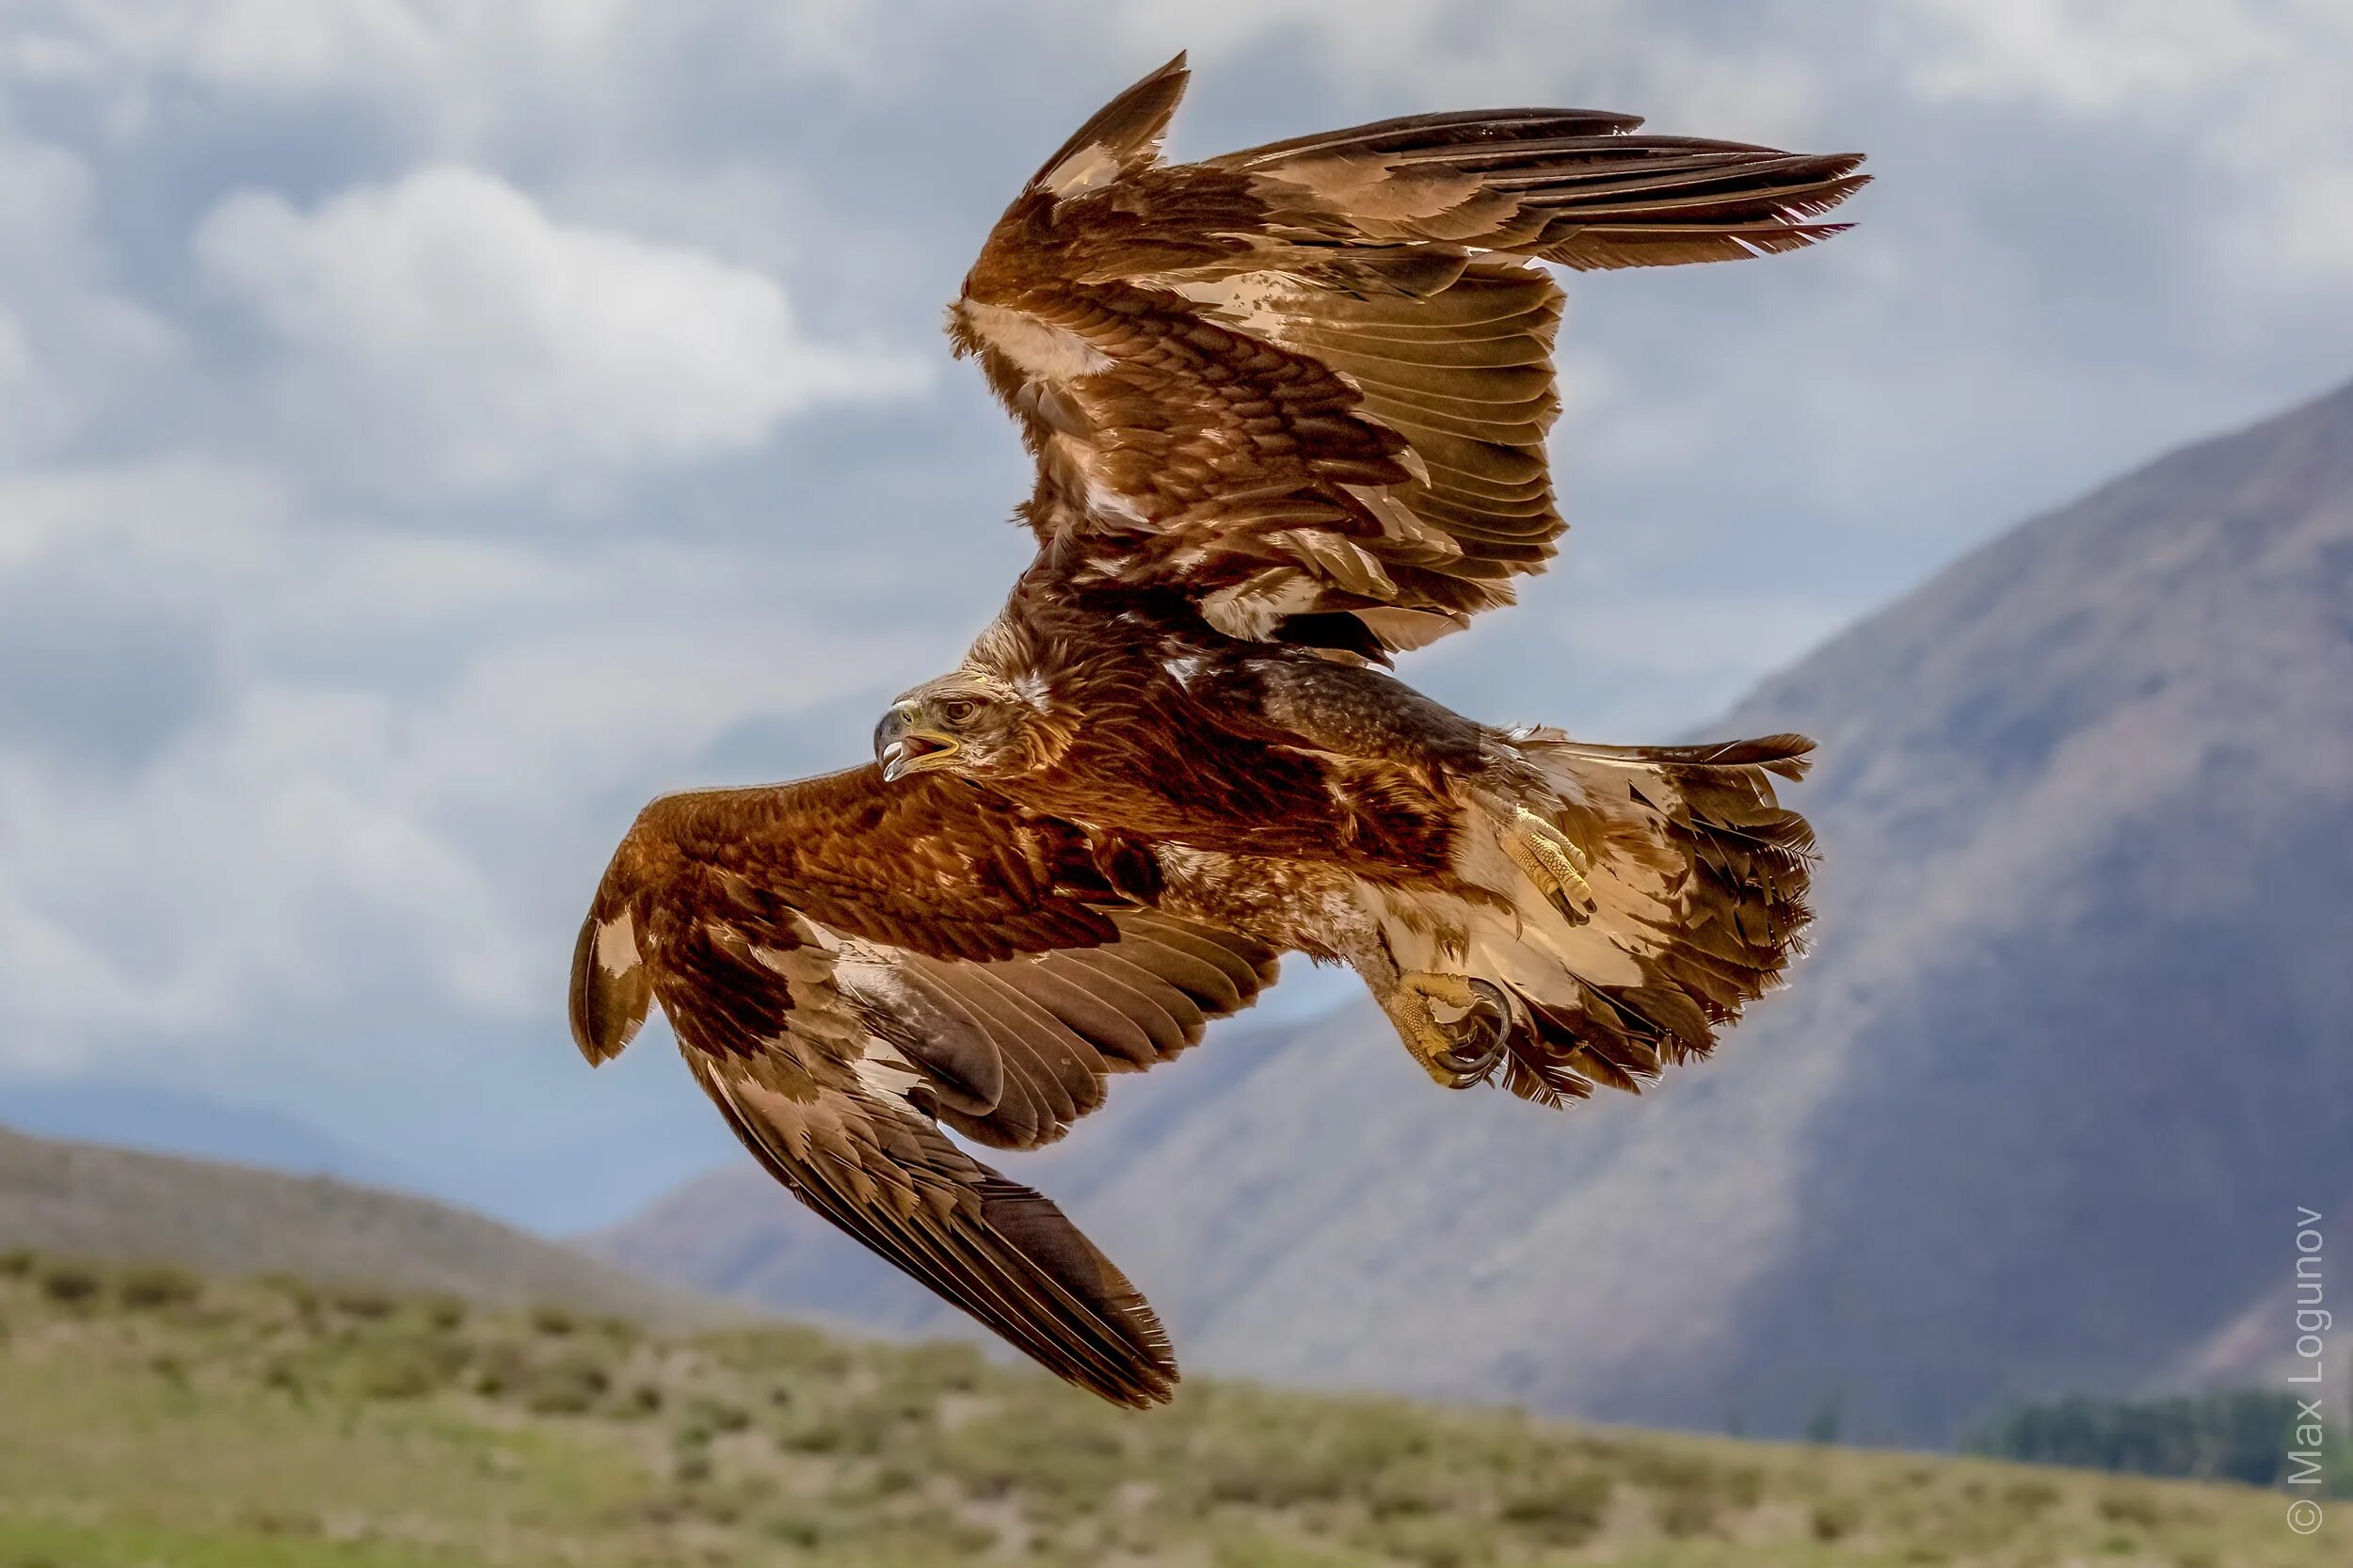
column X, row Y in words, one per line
column 1000, row 1251
column 1032, row 1227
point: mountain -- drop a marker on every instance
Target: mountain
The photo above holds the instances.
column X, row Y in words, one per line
column 81, row 1200
column 2036, row 1116
column 173, row 1120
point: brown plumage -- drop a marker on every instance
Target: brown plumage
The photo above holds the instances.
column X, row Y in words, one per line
column 849, row 965
column 1289, row 410
column 1314, row 378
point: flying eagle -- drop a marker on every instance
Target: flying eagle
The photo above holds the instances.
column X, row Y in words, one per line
column 1288, row 408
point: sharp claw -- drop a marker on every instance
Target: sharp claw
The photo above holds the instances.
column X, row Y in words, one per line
column 1438, row 1046
column 1553, row 861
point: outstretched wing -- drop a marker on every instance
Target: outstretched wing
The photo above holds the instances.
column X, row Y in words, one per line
column 1308, row 384
column 849, row 965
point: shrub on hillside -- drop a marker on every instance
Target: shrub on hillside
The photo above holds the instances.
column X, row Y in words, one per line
column 1565, row 1512
column 406, row 1367
column 148, row 1285
column 568, row 1384
column 70, row 1284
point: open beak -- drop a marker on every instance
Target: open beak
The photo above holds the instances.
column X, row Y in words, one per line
column 906, row 755
column 901, row 748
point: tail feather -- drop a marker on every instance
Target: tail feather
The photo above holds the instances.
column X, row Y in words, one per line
column 1700, row 878
column 1788, row 755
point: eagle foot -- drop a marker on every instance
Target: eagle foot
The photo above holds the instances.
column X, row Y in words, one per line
column 1553, row 861
column 1459, row 1051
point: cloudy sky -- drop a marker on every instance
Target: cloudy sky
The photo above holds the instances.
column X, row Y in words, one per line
column 427, row 428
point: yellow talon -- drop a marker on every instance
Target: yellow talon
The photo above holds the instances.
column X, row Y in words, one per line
column 1436, row 1045
column 1553, row 861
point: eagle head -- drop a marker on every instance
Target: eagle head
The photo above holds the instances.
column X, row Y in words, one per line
column 972, row 723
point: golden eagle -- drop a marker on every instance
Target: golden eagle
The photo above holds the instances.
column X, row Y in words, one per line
column 1289, row 410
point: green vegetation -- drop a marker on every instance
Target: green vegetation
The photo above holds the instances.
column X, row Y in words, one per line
column 2243, row 1436
column 150, row 1417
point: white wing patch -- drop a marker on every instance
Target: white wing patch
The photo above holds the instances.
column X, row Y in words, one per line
column 1263, row 304
column 1039, row 349
column 616, row 944
column 1090, row 167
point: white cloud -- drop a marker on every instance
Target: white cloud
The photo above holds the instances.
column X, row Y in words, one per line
column 361, row 814
column 1693, row 74
column 453, row 75
column 2087, row 56
column 264, row 43
column 174, row 512
column 70, row 346
column 292, row 43
column 2237, row 89
column 465, row 331
column 126, row 49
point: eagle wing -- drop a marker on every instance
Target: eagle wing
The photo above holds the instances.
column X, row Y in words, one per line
column 1308, row 384
column 848, row 966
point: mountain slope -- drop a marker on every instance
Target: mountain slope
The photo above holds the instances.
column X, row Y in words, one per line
column 2036, row 1113
column 100, row 1110
column 2094, row 798
column 79, row 1200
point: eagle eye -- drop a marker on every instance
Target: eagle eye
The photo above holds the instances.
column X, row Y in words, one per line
column 959, row 710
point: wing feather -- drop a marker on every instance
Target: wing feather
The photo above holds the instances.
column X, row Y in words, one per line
column 1315, row 377
column 848, row 966
column 998, row 1249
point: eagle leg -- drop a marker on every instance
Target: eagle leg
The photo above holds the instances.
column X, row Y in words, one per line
column 1552, row 860
column 1458, row 1052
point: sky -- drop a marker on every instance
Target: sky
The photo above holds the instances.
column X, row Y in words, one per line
column 427, row 429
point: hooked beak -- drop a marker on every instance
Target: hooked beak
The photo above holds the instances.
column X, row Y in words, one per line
column 903, row 749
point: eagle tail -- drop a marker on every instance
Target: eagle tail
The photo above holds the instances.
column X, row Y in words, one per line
column 1694, row 904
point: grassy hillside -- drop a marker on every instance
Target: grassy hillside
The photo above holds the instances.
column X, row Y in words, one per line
column 87, row 1201
column 154, row 1417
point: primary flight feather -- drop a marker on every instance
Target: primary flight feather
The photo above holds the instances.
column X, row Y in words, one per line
column 1287, row 408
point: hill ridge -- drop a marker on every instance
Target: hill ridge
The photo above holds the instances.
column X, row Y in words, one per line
column 100, row 1202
